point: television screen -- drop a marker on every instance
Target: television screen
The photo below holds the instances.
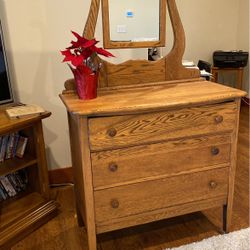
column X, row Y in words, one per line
column 5, row 87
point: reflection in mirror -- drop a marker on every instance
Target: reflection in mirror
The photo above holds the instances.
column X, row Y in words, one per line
column 134, row 21
column 134, row 24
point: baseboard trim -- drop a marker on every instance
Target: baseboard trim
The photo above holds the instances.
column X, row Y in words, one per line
column 61, row 175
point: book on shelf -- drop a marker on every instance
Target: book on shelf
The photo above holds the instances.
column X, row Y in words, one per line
column 3, row 193
column 3, row 147
column 17, row 136
column 12, row 145
column 7, row 186
column 21, row 178
column 12, row 184
column 21, row 146
column 24, row 110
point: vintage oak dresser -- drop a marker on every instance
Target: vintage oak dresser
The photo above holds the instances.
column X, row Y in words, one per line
column 157, row 142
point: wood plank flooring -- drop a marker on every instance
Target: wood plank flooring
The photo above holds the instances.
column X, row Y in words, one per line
column 62, row 232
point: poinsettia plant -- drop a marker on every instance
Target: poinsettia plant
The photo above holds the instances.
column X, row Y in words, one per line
column 83, row 63
column 82, row 53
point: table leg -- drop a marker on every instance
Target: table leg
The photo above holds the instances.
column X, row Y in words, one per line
column 239, row 78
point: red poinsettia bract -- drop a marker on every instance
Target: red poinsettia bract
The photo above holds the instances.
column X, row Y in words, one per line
column 81, row 50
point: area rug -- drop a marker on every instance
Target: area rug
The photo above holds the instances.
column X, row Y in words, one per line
column 238, row 240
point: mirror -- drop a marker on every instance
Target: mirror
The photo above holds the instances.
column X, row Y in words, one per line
column 134, row 24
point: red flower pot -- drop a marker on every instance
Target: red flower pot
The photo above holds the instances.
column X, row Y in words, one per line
column 86, row 82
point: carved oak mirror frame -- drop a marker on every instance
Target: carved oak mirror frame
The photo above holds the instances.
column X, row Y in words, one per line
column 109, row 44
column 139, row 73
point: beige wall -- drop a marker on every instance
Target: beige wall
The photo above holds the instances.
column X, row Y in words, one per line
column 209, row 26
column 243, row 36
column 38, row 29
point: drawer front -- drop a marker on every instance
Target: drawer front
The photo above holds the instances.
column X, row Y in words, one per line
column 127, row 130
column 152, row 195
column 144, row 162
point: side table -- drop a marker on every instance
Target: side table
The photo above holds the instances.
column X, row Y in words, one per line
column 238, row 71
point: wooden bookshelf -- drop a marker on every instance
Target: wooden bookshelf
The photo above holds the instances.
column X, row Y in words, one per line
column 26, row 211
column 15, row 164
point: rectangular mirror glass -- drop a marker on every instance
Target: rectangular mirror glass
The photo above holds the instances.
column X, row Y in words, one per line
column 134, row 24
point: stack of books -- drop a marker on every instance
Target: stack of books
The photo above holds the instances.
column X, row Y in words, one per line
column 12, row 145
column 12, row 184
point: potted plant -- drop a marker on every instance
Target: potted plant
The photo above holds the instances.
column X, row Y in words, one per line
column 84, row 66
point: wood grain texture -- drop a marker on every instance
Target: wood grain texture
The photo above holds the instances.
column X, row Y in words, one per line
column 17, row 164
column 132, row 72
column 62, row 232
column 153, row 127
column 152, row 195
column 151, row 98
column 83, row 176
column 89, row 29
column 9, row 125
column 70, row 85
column 155, row 160
column 141, row 104
column 232, row 169
column 41, row 160
column 163, row 213
column 144, row 125
column 87, row 182
column 77, row 168
column 169, row 68
column 27, row 223
column 23, row 213
column 24, row 205
column 174, row 68
column 172, row 62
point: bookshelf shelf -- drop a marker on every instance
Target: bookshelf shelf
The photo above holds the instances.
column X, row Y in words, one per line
column 28, row 209
column 22, row 214
column 15, row 164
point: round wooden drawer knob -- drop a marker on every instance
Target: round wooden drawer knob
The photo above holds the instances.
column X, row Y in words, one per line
column 113, row 167
column 213, row 184
column 218, row 119
column 114, row 203
column 112, row 132
column 215, row 151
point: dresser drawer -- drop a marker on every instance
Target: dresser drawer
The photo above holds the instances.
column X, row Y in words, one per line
column 127, row 130
column 152, row 195
column 166, row 158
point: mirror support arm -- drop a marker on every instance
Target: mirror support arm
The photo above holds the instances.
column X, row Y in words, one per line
column 178, row 30
column 89, row 29
column 174, row 67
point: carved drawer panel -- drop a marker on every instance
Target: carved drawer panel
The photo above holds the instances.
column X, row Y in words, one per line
column 166, row 158
column 152, row 195
column 127, row 130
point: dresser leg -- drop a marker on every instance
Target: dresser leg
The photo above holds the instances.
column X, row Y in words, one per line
column 79, row 217
column 92, row 241
column 224, row 217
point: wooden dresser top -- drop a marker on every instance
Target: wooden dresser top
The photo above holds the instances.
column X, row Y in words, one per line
column 150, row 98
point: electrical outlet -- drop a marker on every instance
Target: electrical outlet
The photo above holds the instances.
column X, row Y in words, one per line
column 121, row 28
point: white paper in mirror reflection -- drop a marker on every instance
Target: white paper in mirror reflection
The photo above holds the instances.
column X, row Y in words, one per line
column 134, row 20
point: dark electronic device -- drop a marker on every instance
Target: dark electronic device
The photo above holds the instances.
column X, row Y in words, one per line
column 230, row 59
column 5, row 86
column 204, row 65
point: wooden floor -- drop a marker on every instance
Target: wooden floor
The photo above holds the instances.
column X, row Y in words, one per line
column 62, row 232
